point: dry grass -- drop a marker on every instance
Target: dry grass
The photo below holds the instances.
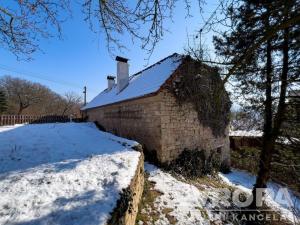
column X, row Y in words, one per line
column 147, row 212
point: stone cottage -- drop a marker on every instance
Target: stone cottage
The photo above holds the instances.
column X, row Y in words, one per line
column 148, row 107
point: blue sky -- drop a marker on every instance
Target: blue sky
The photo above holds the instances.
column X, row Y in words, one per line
column 81, row 58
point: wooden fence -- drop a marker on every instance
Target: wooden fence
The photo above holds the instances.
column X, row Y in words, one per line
column 18, row 119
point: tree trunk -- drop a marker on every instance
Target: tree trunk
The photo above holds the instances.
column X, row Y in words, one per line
column 268, row 139
column 271, row 132
column 22, row 107
column 20, row 110
column 279, row 117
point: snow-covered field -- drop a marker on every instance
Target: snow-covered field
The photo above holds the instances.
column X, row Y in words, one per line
column 67, row 173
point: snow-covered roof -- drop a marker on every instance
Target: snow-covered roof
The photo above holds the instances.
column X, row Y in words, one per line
column 245, row 133
column 294, row 93
column 258, row 134
column 145, row 82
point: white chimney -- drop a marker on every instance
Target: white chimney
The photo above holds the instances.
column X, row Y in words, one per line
column 122, row 73
column 110, row 82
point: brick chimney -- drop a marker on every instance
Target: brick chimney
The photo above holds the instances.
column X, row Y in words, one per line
column 122, row 73
column 110, row 82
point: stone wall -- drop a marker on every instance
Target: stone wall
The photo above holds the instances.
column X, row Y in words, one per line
column 138, row 120
column 181, row 129
column 161, row 125
column 137, row 187
column 237, row 142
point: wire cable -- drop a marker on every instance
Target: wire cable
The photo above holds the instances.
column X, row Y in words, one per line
column 41, row 77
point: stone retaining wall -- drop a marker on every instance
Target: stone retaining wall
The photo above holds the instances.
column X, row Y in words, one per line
column 135, row 191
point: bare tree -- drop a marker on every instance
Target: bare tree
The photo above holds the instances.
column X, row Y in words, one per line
column 22, row 94
column 70, row 103
column 24, row 22
column 116, row 17
column 246, row 120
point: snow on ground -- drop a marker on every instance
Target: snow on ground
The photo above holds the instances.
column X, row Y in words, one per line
column 67, row 173
column 286, row 202
column 202, row 203
column 185, row 202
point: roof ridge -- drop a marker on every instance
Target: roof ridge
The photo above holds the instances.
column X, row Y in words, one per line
column 149, row 67
column 141, row 87
column 154, row 64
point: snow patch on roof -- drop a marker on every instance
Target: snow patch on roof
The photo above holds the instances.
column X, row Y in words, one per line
column 142, row 83
column 258, row 133
column 245, row 133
